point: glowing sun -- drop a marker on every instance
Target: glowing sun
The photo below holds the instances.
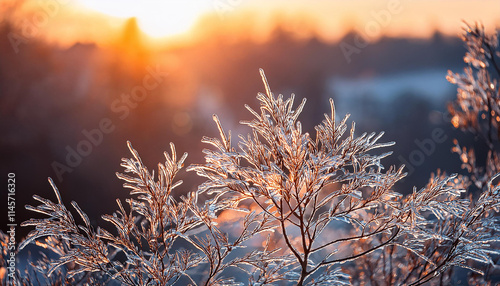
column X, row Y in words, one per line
column 157, row 18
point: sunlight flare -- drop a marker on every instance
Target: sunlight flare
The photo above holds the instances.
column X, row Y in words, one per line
column 156, row 18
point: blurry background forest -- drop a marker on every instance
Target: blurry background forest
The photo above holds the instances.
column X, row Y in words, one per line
column 68, row 68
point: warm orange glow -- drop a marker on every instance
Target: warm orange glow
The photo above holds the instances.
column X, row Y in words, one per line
column 156, row 18
column 455, row 121
column 101, row 21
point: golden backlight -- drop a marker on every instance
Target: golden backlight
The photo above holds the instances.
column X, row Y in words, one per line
column 187, row 22
column 156, row 18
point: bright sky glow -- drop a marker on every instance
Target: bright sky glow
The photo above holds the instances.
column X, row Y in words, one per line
column 168, row 21
column 155, row 18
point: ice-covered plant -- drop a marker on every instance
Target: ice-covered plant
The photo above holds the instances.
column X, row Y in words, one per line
column 328, row 193
column 477, row 107
column 469, row 235
column 146, row 234
column 314, row 208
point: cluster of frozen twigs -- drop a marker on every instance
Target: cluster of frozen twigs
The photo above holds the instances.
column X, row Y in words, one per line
column 477, row 108
column 316, row 210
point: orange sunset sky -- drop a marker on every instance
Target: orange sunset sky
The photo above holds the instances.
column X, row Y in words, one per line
column 68, row 21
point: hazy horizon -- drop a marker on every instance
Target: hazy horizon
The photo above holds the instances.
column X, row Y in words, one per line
column 185, row 22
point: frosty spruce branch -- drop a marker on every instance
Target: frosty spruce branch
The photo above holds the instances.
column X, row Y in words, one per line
column 278, row 207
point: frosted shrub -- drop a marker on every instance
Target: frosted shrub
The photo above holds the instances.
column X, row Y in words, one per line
column 331, row 201
column 477, row 108
column 315, row 210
